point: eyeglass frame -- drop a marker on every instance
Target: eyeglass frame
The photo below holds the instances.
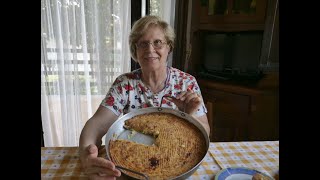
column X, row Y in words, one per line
column 152, row 43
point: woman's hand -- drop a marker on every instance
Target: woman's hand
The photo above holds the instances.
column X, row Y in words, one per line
column 187, row 101
column 97, row 167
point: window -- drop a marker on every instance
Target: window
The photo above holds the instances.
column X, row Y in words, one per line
column 84, row 47
column 165, row 10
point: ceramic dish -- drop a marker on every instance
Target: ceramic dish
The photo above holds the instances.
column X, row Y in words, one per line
column 238, row 173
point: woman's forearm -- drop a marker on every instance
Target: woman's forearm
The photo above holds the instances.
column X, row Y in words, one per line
column 96, row 127
column 203, row 120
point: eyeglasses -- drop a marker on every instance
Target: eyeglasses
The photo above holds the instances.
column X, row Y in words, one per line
column 157, row 44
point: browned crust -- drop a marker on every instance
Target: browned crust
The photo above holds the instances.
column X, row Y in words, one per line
column 179, row 146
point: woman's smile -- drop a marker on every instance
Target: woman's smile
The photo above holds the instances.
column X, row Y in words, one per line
column 150, row 55
column 151, row 58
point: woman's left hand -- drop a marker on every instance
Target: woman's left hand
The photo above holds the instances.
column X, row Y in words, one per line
column 187, row 101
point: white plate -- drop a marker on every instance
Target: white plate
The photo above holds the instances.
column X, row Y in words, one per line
column 237, row 173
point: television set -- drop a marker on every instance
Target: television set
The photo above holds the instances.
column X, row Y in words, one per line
column 233, row 56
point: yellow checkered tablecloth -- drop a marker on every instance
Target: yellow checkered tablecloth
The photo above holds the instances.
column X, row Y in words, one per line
column 61, row 163
column 260, row 155
column 64, row 163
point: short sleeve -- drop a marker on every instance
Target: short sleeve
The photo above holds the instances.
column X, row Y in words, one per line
column 116, row 98
column 202, row 109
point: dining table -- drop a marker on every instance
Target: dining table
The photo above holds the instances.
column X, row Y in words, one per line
column 263, row 156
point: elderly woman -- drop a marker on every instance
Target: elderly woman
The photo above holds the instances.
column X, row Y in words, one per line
column 151, row 41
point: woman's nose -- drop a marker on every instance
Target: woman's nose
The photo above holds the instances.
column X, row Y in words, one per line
column 150, row 47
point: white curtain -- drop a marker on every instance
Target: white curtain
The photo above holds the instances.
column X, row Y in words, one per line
column 166, row 10
column 84, row 46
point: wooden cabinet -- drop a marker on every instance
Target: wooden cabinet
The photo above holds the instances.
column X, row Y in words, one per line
column 263, row 123
column 239, row 113
column 230, row 114
column 263, row 19
column 231, row 14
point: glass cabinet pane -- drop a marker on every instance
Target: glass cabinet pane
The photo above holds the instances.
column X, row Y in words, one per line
column 244, row 7
column 217, row 7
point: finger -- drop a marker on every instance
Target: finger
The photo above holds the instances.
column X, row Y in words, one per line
column 196, row 101
column 102, row 162
column 188, row 93
column 92, row 150
column 189, row 89
column 177, row 102
column 181, row 94
column 190, row 96
column 185, row 95
column 173, row 99
column 193, row 106
column 90, row 155
column 98, row 161
column 102, row 171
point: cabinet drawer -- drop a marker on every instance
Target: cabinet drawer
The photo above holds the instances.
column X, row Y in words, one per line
column 228, row 103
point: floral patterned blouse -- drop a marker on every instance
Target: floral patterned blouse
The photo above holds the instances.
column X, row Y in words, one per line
column 129, row 93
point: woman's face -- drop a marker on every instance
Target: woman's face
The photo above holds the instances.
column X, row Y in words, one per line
column 151, row 57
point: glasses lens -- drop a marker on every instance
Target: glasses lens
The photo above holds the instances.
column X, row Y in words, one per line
column 157, row 44
column 143, row 44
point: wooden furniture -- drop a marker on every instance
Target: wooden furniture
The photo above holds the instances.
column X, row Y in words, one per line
column 238, row 111
column 265, row 20
column 231, row 15
column 241, row 113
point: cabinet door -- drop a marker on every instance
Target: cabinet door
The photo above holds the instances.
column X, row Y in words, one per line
column 232, row 12
column 264, row 123
column 230, row 115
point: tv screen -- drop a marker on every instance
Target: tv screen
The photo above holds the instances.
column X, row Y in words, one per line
column 236, row 53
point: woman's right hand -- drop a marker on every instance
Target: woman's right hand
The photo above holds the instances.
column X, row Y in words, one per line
column 97, row 167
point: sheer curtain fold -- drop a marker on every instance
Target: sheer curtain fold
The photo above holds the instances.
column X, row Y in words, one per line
column 166, row 10
column 84, row 46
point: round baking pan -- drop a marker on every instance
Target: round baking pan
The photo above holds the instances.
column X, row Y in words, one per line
column 117, row 129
